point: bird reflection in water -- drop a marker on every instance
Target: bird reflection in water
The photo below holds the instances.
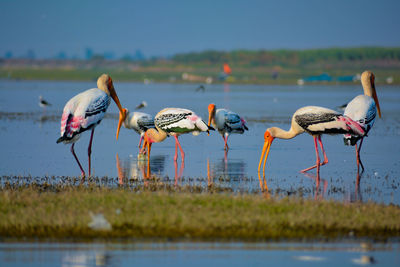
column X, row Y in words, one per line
column 226, row 170
column 319, row 192
column 356, row 196
column 86, row 258
column 178, row 176
column 139, row 168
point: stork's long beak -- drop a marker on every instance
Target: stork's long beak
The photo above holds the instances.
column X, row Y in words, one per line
column 375, row 97
column 209, row 122
column 122, row 116
column 211, row 109
column 265, row 151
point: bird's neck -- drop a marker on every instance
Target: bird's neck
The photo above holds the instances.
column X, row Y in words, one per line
column 156, row 136
column 282, row 134
column 367, row 87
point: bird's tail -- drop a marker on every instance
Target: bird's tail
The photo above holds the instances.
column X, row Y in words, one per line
column 61, row 139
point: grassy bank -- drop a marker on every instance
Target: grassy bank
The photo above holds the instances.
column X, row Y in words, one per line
column 241, row 75
column 66, row 213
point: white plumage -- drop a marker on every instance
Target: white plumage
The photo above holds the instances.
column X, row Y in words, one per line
column 174, row 122
column 139, row 122
column 83, row 112
column 363, row 109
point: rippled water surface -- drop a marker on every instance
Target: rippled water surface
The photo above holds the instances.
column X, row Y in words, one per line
column 199, row 254
column 29, row 134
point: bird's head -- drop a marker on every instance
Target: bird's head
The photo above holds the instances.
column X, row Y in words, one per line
column 268, row 139
column 122, row 117
column 368, row 83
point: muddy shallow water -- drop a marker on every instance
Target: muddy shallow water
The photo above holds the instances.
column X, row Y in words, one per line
column 29, row 133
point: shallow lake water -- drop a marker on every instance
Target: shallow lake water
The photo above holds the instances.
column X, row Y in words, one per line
column 29, row 133
column 199, row 254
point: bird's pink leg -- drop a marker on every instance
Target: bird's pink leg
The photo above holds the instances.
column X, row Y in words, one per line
column 316, row 151
column 77, row 160
column 358, row 157
column 180, row 148
column 140, row 140
column 90, row 149
column 226, row 147
column 323, row 151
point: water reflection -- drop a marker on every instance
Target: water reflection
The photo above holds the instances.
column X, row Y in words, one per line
column 135, row 168
column 319, row 192
column 228, row 173
column 86, row 258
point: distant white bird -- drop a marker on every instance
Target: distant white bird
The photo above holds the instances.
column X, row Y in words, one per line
column 226, row 122
column 138, row 121
column 362, row 109
column 315, row 121
column 174, row 122
column 141, row 105
column 84, row 112
column 43, row 103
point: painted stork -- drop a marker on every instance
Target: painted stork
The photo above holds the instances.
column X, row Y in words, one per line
column 138, row 121
column 315, row 121
column 362, row 109
column 226, row 122
column 84, row 112
column 174, row 122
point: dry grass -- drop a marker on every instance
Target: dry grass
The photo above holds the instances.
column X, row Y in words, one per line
column 64, row 212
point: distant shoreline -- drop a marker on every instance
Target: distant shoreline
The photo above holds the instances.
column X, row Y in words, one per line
column 259, row 75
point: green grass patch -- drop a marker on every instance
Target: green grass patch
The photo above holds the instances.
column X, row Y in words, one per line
column 65, row 212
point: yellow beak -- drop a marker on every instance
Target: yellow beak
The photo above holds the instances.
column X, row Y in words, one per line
column 122, row 116
column 265, row 151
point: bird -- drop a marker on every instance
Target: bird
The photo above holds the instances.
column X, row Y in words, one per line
column 84, row 112
column 363, row 109
column 43, row 103
column 200, row 88
column 143, row 104
column 138, row 121
column 173, row 122
column 315, row 121
column 226, row 122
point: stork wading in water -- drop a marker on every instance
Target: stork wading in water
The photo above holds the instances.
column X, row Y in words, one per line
column 138, row 121
column 173, row 122
column 226, row 122
column 315, row 121
column 362, row 109
column 84, row 112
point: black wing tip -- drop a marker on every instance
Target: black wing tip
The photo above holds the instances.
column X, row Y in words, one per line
column 61, row 139
column 245, row 127
column 210, row 128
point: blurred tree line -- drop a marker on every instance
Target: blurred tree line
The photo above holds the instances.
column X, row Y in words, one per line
column 289, row 57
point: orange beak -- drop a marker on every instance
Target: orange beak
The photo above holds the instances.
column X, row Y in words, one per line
column 122, row 116
column 375, row 97
column 267, row 145
column 122, row 113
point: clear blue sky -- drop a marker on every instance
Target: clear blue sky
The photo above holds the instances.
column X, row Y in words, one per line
column 162, row 28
